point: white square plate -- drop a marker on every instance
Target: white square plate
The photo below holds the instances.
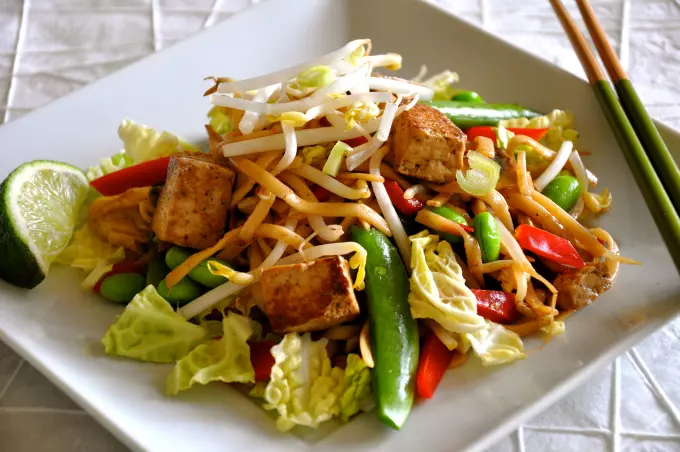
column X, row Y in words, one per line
column 57, row 327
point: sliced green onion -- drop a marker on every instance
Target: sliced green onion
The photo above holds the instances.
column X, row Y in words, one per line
column 482, row 177
column 334, row 162
column 503, row 135
column 316, row 77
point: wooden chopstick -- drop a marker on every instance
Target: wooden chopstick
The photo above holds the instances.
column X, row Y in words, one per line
column 658, row 200
column 635, row 109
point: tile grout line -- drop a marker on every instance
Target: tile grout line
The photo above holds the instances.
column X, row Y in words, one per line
column 655, row 386
column 520, row 439
column 577, row 430
column 155, row 24
column 484, row 13
column 210, row 20
column 11, row 379
column 624, row 36
column 21, row 33
column 615, row 422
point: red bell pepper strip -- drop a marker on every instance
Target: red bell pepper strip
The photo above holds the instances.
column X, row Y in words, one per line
column 322, row 195
column 549, row 246
column 434, row 360
column 144, row 174
column 499, row 307
column 487, row 131
column 354, row 142
column 261, row 358
column 125, row 266
column 405, row 206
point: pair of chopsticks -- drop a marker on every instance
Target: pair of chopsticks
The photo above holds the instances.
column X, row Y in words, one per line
column 643, row 147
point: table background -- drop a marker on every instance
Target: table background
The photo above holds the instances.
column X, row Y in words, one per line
column 50, row 48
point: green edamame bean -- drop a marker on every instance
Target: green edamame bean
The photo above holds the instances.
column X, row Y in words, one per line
column 468, row 96
column 563, row 191
column 181, row 293
column 122, row 287
column 177, row 255
column 156, row 271
column 487, row 235
column 452, row 215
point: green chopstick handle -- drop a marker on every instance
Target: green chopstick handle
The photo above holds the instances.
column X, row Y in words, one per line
column 651, row 139
column 658, row 201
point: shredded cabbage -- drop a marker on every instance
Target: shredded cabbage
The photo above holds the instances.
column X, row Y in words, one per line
column 88, row 252
column 496, row 345
column 142, row 143
column 482, row 177
column 357, row 393
column 304, row 388
column 438, row 292
column 226, row 359
column 149, row 330
column 108, row 165
column 438, row 289
column 560, row 123
column 442, row 84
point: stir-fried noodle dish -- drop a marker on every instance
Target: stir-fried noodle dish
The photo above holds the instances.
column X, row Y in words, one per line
column 344, row 238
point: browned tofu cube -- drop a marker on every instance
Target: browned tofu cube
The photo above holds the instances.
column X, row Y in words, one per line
column 310, row 296
column 427, row 145
column 192, row 208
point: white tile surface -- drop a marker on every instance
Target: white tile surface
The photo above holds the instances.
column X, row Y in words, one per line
column 49, row 48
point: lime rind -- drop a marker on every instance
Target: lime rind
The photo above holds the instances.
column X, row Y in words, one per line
column 39, row 204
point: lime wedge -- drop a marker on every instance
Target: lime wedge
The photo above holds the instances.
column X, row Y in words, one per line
column 39, row 203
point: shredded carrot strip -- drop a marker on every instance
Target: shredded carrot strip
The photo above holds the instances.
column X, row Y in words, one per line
column 183, row 269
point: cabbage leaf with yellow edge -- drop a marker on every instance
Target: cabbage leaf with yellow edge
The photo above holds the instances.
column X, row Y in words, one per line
column 559, row 122
column 226, row 359
column 150, row 330
column 438, row 289
column 143, row 143
column 357, row 393
column 496, row 345
column 438, row 292
column 304, row 388
column 88, row 252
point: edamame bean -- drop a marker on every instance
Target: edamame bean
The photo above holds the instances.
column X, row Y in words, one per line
column 156, row 271
column 468, row 96
column 487, row 235
column 452, row 215
column 563, row 191
column 181, row 293
column 177, row 255
column 122, row 287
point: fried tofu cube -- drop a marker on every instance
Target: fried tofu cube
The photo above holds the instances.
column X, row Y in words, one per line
column 192, row 207
column 309, row 296
column 427, row 145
